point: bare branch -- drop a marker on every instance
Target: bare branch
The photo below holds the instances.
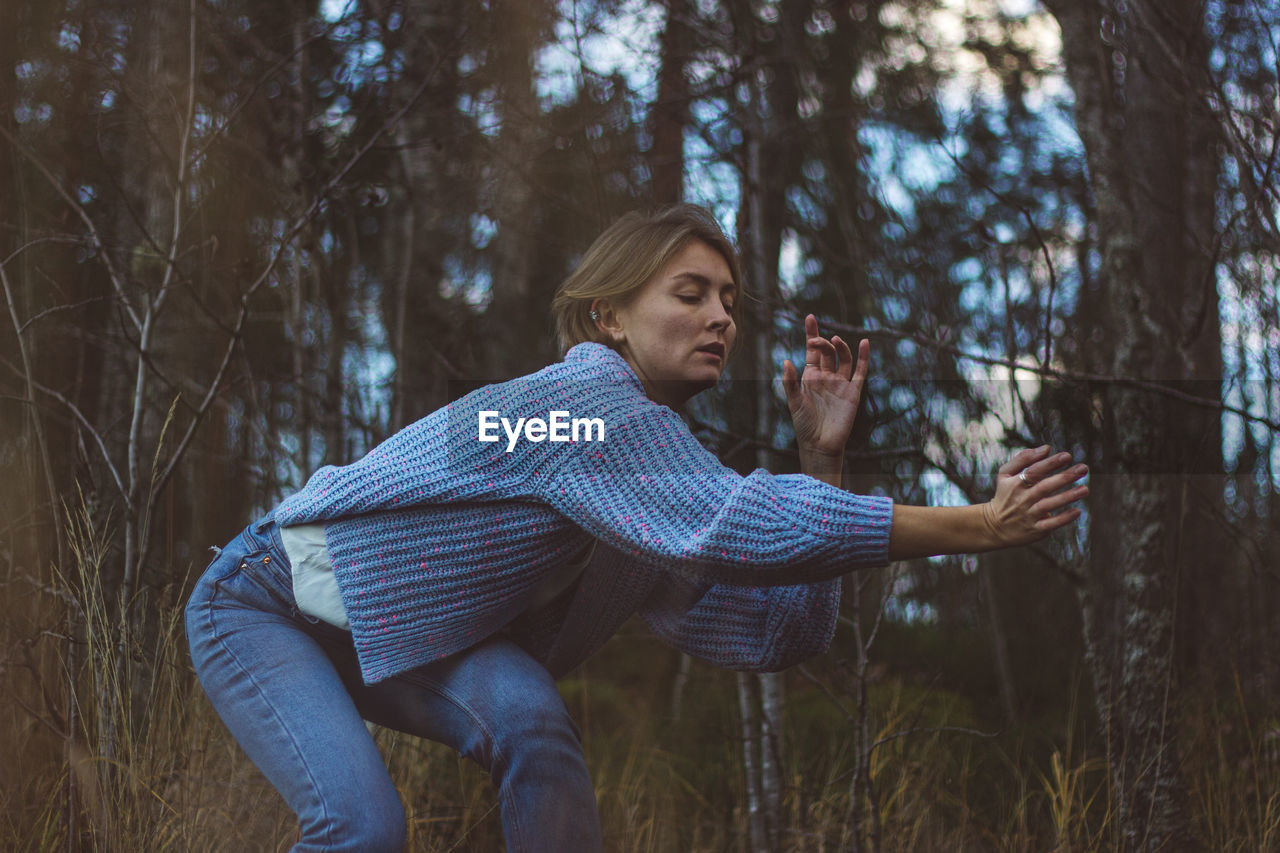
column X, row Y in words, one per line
column 301, row 222
column 30, row 244
column 1049, row 372
column 1041, row 243
column 826, row 691
column 936, row 730
column 117, row 281
column 36, row 422
column 79, row 416
column 40, row 315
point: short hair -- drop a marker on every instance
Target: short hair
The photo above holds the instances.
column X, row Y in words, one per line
column 625, row 256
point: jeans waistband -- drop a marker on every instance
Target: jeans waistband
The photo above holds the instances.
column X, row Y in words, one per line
column 266, row 532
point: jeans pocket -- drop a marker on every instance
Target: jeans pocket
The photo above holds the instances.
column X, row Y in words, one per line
column 225, row 563
column 267, row 569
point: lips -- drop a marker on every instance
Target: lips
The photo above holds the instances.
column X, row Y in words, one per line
column 716, row 349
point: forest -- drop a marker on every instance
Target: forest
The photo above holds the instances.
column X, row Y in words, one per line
column 239, row 241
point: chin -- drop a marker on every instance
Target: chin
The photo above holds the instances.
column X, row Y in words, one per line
column 677, row 392
column 704, row 383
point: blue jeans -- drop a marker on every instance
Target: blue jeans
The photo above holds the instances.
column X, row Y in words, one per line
column 289, row 689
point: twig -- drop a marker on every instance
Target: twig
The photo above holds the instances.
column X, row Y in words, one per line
column 117, row 282
column 826, row 691
column 84, row 421
column 36, row 421
column 936, row 730
column 301, row 222
column 1053, row 373
column 62, row 594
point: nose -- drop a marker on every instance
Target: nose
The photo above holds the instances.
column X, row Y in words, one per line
column 720, row 317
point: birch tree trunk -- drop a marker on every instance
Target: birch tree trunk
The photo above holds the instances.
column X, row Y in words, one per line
column 757, row 832
column 163, row 71
column 759, row 748
column 764, row 267
column 1139, row 77
column 773, row 154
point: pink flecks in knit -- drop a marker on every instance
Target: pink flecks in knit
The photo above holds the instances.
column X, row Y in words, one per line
column 651, row 492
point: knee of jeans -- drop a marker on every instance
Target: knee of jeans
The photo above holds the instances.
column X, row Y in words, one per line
column 363, row 827
column 538, row 720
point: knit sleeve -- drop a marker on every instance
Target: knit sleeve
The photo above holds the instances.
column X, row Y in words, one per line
column 752, row 629
column 651, row 490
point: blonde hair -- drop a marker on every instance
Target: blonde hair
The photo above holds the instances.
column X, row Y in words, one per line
column 628, row 254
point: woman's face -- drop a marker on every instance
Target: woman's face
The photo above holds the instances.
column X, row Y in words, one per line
column 676, row 331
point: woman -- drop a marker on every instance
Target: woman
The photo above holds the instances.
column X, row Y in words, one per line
column 441, row 583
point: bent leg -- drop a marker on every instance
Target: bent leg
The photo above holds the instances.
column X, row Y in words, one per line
column 499, row 707
column 283, row 700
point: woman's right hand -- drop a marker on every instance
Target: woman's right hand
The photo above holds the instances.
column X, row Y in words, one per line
column 824, row 399
column 1030, row 488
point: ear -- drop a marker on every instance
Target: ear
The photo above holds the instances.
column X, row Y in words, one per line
column 609, row 321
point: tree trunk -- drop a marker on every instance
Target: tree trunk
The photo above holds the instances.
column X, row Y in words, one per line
column 302, row 304
column 671, row 110
column 517, row 24
column 773, row 157
column 999, row 644
column 1138, row 77
column 669, row 116
column 412, row 308
column 756, row 824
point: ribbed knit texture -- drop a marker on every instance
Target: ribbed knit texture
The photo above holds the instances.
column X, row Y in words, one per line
column 438, row 539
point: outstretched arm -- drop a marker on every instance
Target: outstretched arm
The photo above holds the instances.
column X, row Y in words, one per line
column 1033, row 489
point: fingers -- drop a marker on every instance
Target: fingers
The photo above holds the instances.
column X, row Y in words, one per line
column 1057, row 501
column 1053, row 522
column 864, row 362
column 844, row 358
column 1063, row 479
column 790, row 379
column 1039, row 486
column 1040, row 467
column 821, row 353
column 1048, row 475
column 1022, row 459
column 833, row 355
column 1054, row 492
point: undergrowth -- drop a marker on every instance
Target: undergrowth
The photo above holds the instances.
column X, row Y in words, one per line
column 110, row 745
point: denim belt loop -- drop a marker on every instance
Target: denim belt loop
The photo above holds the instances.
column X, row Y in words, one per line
column 262, row 523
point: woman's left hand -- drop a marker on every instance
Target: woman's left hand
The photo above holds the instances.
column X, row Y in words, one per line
column 824, row 400
column 1034, row 491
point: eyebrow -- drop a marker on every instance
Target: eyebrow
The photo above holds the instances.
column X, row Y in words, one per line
column 698, row 278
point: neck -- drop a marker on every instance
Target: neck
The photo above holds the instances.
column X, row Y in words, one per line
column 669, row 393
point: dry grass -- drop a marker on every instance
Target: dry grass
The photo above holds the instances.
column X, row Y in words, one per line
column 152, row 768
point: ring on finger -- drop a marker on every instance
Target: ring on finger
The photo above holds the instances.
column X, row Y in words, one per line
column 1026, row 481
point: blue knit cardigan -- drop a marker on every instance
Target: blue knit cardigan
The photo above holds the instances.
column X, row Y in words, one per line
column 438, row 540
